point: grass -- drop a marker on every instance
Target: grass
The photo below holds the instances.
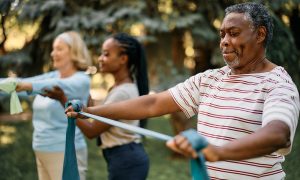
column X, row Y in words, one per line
column 162, row 166
column 17, row 158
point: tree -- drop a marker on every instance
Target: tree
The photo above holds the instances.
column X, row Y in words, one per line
column 153, row 21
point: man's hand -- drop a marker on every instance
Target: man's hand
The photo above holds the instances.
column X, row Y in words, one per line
column 181, row 145
column 56, row 93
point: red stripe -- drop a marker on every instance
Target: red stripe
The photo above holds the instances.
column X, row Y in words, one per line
column 252, row 164
column 274, row 156
column 184, row 100
column 233, row 118
column 221, row 71
column 189, row 94
column 257, row 91
column 182, row 108
column 240, row 82
column 272, row 173
column 225, row 127
column 233, row 98
column 243, row 172
column 232, row 108
column 216, row 136
column 194, row 82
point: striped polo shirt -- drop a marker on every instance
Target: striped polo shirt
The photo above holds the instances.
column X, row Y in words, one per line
column 230, row 107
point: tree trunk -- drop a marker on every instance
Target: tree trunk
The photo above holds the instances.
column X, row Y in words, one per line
column 39, row 50
column 295, row 26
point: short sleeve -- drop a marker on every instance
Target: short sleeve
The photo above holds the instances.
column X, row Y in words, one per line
column 282, row 103
column 121, row 93
column 187, row 95
column 117, row 96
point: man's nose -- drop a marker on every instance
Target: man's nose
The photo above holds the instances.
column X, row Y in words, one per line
column 224, row 41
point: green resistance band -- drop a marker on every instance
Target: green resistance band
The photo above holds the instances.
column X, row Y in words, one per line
column 9, row 86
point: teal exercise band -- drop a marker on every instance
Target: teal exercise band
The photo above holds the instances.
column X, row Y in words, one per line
column 70, row 172
column 198, row 166
column 135, row 129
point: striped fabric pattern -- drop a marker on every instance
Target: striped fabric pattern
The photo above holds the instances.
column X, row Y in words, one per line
column 232, row 106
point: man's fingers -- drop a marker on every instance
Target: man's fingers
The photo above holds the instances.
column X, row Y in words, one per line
column 171, row 144
column 181, row 145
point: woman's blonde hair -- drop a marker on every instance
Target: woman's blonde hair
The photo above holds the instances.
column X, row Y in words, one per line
column 79, row 51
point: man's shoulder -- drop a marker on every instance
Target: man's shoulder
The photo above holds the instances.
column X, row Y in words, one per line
column 279, row 74
column 215, row 72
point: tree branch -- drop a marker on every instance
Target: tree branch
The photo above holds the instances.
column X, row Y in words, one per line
column 2, row 48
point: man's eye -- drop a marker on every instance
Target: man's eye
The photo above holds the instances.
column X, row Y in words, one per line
column 234, row 34
column 222, row 35
column 104, row 53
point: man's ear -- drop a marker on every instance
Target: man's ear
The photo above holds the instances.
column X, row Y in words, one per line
column 261, row 34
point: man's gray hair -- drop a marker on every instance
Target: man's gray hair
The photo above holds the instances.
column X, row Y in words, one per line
column 257, row 14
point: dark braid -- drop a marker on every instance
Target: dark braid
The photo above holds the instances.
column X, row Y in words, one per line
column 137, row 64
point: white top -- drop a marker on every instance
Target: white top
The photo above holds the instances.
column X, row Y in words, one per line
column 232, row 106
column 115, row 136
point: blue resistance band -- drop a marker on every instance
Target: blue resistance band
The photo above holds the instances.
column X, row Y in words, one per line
column 70, row 170
column 198, row 167
column 198, row 142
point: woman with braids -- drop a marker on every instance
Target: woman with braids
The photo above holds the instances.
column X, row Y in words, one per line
column 122, row 56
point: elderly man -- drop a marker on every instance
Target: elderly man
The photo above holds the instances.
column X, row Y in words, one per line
column 247, row 110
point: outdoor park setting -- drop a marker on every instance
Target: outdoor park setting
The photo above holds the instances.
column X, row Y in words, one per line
column 180, row 39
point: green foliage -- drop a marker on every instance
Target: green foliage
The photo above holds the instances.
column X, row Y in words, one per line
column 291, row 163
column 5, row 6
column 282, row 50
column 98, row 19
column 14, row 62
column 18, row 161
column 170, row 76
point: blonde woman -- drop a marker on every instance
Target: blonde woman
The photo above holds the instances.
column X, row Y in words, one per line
column 70, row 59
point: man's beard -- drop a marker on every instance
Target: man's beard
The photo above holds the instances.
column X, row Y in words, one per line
column 233, row 63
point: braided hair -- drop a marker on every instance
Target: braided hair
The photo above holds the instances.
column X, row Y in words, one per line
column 137, row 64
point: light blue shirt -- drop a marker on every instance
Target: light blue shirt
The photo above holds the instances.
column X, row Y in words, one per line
column 49, row 120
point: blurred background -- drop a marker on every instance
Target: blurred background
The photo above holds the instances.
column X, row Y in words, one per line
column 181, row 38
